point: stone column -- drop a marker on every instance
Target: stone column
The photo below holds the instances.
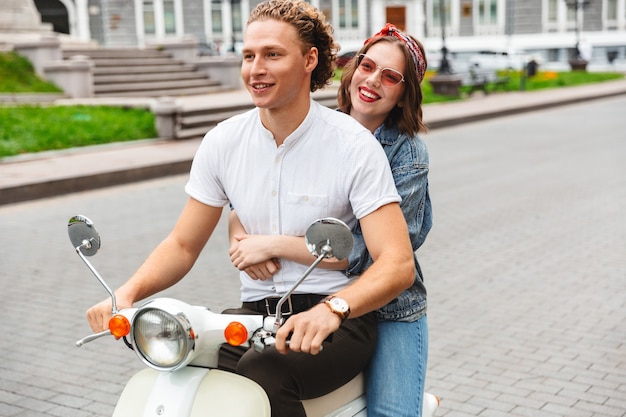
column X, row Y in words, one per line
column 74, row 76
column 20, row 16
column 165, row 111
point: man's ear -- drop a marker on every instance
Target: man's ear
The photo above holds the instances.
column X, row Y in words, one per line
column 311, row 58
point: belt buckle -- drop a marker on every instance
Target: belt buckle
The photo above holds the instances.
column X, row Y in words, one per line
column 268, row 308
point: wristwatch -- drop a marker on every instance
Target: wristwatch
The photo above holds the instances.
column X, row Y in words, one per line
column 337, row 305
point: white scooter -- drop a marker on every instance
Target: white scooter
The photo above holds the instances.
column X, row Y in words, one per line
column 180, row 344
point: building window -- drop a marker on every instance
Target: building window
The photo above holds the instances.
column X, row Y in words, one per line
column 216, row 16
column 236, row 16
column 486, row 17
column 553, row 55
column 354, row 12
column 326, row 7
column 553, row 15
column 437, row 5
column 160, row 17
column 149, row 26
column 611, row 10
column 169, row 17
column 571, row 17
column 342, row 14
column 487, row 12
column 348, row 11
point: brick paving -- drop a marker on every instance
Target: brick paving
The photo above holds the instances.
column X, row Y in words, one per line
column 526, row 265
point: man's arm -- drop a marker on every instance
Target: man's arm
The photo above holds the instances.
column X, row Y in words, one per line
column 167, row 264
column 387, row 240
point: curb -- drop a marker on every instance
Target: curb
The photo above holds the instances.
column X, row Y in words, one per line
column 46, row 189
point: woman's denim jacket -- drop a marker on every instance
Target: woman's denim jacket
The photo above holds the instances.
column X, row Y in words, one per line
column 408, row 157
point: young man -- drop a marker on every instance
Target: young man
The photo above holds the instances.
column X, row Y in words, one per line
column 283, row 165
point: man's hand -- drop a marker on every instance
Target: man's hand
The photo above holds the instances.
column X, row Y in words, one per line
column 100, row 314
column 308, row 330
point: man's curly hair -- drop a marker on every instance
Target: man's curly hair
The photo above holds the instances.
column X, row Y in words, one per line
column 312, row 28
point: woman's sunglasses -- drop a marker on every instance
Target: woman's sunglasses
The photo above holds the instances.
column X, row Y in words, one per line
column 388, row 76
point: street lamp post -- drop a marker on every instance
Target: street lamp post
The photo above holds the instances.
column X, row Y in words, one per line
column 444, row 65
column 578, row 62
column 445, row 82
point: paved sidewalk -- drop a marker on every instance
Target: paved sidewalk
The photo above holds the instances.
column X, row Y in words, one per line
column 48, row 174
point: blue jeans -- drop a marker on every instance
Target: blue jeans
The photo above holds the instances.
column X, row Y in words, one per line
column 397, row 372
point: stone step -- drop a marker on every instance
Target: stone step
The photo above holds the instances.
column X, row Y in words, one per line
column 132, row 72
column 172, row 92
column 133, row 62
column 171, row 68
column 141, row 87
column 114, row 53
column 147, row 77
column 194, row 124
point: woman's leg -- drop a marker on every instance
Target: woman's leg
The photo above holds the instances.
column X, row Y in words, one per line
column 397, row 372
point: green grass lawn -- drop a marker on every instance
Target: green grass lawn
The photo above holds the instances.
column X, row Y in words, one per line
column 552, row 79
column 17, row 76
column 29, row 129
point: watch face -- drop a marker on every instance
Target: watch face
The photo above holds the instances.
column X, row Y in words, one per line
column 339, row 304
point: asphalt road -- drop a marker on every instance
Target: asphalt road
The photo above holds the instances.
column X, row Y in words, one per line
column 525, row 266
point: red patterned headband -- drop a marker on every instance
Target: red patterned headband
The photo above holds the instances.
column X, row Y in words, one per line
column 416, row 53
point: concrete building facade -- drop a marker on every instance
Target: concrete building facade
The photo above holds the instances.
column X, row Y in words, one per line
column 548, row 28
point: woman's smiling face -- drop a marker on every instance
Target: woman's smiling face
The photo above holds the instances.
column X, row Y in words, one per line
column 371, row 99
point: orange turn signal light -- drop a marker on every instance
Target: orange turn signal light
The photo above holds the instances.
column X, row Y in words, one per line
column 119, row 326
column 236, row 334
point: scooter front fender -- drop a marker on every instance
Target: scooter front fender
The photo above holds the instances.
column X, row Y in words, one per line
column 191, row 392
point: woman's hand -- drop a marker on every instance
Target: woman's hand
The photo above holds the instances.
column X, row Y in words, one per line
column 252, row 254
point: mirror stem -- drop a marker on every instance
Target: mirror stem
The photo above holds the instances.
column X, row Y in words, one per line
column 87, row 244
column 326, row 252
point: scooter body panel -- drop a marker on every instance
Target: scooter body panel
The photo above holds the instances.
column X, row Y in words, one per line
column 191, row 392
column 346, row 401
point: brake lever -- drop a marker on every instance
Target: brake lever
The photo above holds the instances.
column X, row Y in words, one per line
column 92, row 337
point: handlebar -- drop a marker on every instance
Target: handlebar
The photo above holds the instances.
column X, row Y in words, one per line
column 92, row 337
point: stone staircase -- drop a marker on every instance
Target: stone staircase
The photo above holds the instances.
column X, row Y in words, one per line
column 152, row 73
column 194, row 123
column 135, row 72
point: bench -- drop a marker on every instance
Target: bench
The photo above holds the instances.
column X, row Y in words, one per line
column 479, row 79
column 500, row 81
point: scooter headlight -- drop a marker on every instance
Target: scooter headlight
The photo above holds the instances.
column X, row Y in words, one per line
column 164, row 340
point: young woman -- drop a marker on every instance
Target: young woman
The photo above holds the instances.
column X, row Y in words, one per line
column 380, row 88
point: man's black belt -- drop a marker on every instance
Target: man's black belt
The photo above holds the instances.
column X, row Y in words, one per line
column 296, row 303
